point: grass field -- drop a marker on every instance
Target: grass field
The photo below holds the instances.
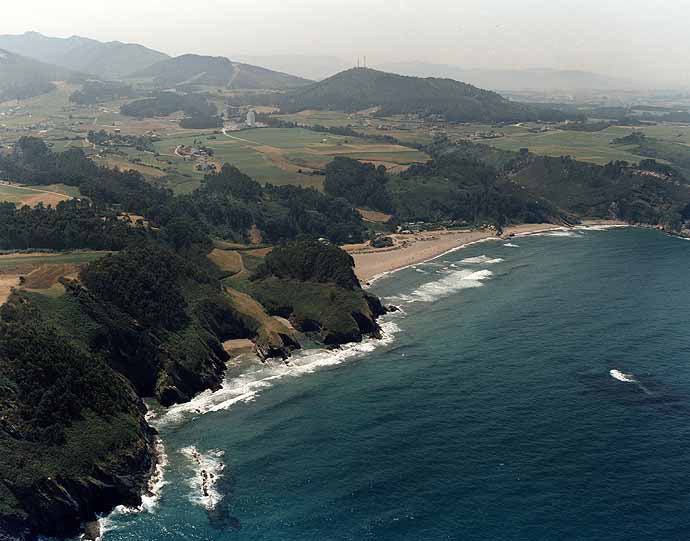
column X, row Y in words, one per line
column 296, row 156
column 21, row 263
column 33, row 195
column 283, row 155
column 41, row 271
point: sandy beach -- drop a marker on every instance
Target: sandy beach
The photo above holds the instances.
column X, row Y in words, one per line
column 411, row 249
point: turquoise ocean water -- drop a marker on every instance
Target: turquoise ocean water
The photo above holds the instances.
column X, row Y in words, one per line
column 532, row 390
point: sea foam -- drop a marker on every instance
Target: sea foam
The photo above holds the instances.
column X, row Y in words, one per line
column 149, row 500
column 451, row 283
column 620, row 376
column 248, row 385
column 208, row 470
column 482, row 260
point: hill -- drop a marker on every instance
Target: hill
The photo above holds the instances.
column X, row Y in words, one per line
column 216, row 71
column 542, row 79
column 362, row 88
column 110, row 60
column 22, row 78
column 314, row 67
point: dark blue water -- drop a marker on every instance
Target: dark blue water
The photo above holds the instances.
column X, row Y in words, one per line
column 490, row 412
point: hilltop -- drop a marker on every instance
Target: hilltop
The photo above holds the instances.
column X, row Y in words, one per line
column 22, row 77
column 110, row 60
column 362, row 88
column 215, row 71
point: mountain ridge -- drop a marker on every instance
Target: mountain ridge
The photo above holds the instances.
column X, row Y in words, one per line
column 217, row 71
column 544, row 79
column 113, row 59
column 22, row 77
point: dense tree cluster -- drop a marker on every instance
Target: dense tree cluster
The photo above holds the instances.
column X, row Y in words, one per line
column 143, row 281
column 167, row 103
column 227, row 205
column 359, row 89
column 53, row 382
column 637, row 193
column 32, row 162
column 360, row 183
column 229, row 202
column 93, row 92
column 71, row 225
column 310, row 261
column 201, row 122
column 104, row 138
column 446, row 189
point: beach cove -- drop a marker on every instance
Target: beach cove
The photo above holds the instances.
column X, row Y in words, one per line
column 525, row 391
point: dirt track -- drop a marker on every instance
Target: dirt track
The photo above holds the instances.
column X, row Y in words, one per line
column 7, row 282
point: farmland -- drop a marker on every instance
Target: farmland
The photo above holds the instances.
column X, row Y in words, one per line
column 298, row 155
column 285, row 155
column 40, row 272
column 276, row 155
column 47, row 195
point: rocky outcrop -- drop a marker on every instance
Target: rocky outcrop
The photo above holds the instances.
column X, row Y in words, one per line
column 74, row 441
column 330, row 314
column 60, row 506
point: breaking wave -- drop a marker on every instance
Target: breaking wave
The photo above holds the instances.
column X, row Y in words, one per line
column 208, row 470
column 620, row 376
column 558, row 233
column 628, row 378
column 248, row 385
column 601, row 227
column 482, row 260
column 150, row 498
column 451, row 283
column 510, row 245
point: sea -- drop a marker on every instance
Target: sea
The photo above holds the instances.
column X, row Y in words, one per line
column 530, row 389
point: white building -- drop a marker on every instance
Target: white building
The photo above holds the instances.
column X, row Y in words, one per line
column 251, row 118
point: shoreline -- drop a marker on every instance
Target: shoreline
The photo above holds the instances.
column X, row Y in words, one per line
column 373, row 264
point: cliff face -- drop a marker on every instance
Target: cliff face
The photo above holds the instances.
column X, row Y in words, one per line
column 73, row 438
column 60, row 506
column 332, row 315
column 313, row 284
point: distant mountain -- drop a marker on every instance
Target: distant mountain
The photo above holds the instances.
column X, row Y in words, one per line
column 312, row 67
column 362, row 88
column 514, row 80
column 217, row 71
column 22, row 77
column 112, row 60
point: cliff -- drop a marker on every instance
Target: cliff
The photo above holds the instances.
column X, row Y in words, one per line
column 141, row 323
column 73, row 439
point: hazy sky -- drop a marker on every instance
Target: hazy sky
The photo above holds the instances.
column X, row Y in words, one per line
column 637, row 38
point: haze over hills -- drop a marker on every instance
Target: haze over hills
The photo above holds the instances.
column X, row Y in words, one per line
column 514, row 80
column 362, row 88
column 191, row 69
column 22, row 77
column 319, row 67
column 110, row 60
column 314, row 67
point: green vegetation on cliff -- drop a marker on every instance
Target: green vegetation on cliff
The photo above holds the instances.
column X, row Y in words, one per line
column 73, row 441
column 313, row 284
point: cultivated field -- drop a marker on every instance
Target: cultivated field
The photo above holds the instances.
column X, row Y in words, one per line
column 40, row 272
column 286, row 155
column 33, row 195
